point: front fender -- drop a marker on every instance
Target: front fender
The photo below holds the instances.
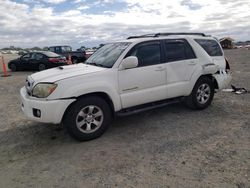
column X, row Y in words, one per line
column 76, row 90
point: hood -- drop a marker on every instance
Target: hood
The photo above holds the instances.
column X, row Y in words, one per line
column 68, row 71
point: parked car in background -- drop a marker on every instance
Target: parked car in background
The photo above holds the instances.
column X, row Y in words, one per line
column 37, row 61
column 76, row 56
column 22, row 52
column 89, row 52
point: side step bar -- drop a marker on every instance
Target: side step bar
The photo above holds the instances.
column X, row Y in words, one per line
column 146, row 107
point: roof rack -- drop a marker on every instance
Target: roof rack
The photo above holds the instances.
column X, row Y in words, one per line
column 141, row 36
column 165, row 34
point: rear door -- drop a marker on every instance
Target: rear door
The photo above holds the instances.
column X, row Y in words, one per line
column 147, row 82
column 214, row 50
column 181, row 62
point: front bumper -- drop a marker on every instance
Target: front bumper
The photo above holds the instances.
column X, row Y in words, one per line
column 52, row 111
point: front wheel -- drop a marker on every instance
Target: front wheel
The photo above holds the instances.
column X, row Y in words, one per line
column 13, row 67
column 74, row 60
column 202, row 94
column 88, row 118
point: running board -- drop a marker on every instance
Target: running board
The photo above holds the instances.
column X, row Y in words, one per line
column 146, row 107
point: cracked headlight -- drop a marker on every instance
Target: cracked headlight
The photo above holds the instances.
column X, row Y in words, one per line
column 43, row 90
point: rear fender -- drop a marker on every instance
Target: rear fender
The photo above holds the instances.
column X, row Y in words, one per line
column 223, row 79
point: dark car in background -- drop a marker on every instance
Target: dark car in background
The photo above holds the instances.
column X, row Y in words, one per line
column 76, row 56
column 37, row 61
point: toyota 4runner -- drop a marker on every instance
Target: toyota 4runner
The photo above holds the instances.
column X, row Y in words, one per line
column 125, row 77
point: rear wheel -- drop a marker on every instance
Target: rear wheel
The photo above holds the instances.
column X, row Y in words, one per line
column 74, row 60
column 202, row 94
column 13, row 67
column 41, row 67
column 88, row 118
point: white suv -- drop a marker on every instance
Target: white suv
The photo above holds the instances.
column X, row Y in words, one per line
column 139, row 73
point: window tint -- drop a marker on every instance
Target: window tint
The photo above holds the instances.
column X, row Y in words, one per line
column 189, row 51
column 57, row 50
column 26, row 57
column 210, row 46
column 39, row 56
column 177, row 50
column 66, row 49
column 147, row 54
column 52, row 49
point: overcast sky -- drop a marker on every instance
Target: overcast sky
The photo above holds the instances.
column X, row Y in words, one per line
column 27, row 23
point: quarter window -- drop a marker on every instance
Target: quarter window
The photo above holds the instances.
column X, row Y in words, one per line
column 210, row 46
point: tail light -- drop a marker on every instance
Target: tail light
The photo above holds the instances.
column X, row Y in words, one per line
column 54, row 60
column 227, row 65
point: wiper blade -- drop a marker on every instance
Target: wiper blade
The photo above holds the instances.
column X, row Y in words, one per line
column 96, row 64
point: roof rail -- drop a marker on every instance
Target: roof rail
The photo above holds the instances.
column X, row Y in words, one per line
column 141, row 36
column 165, row 34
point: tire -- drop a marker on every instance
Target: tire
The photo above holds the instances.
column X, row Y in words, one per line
column 74, row 60
column 41, row 67
column 88, row 118
column 13, row 67
column 202, row 94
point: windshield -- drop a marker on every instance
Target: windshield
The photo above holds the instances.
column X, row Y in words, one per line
column 107, row 55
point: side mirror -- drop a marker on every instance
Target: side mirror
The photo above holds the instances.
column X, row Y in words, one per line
column 129, row 62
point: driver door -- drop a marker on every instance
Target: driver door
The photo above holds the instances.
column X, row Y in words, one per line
column 25, row 61
column 147, row 82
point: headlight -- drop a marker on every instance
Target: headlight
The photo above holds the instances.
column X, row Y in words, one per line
column 43, row 90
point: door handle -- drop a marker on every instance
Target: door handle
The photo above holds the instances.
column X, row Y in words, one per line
column 192, row 63
column 160, row 69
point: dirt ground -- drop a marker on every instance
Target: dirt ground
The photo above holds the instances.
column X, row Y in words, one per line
column 167, row 147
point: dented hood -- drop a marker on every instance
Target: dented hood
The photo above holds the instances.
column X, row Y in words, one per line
column 64, row 72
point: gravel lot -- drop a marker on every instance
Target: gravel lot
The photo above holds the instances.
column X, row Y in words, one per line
column 167, row 147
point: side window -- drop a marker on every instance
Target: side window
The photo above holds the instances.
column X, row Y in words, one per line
column 177, row 50
column 147, row 53
column 52, row 49
column 210, row 46
column 57, row 50
column 33, row 56
column 189, row 51
column 39, row 56
column 26, row 57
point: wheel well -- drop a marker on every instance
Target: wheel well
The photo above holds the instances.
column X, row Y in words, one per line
column 74, row 57
column 213, row 80
column 99, row 94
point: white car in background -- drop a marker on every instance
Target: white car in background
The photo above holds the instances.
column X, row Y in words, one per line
column 126, row 77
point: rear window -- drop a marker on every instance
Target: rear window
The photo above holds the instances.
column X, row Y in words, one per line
column 51, row 54
column 210, row 46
